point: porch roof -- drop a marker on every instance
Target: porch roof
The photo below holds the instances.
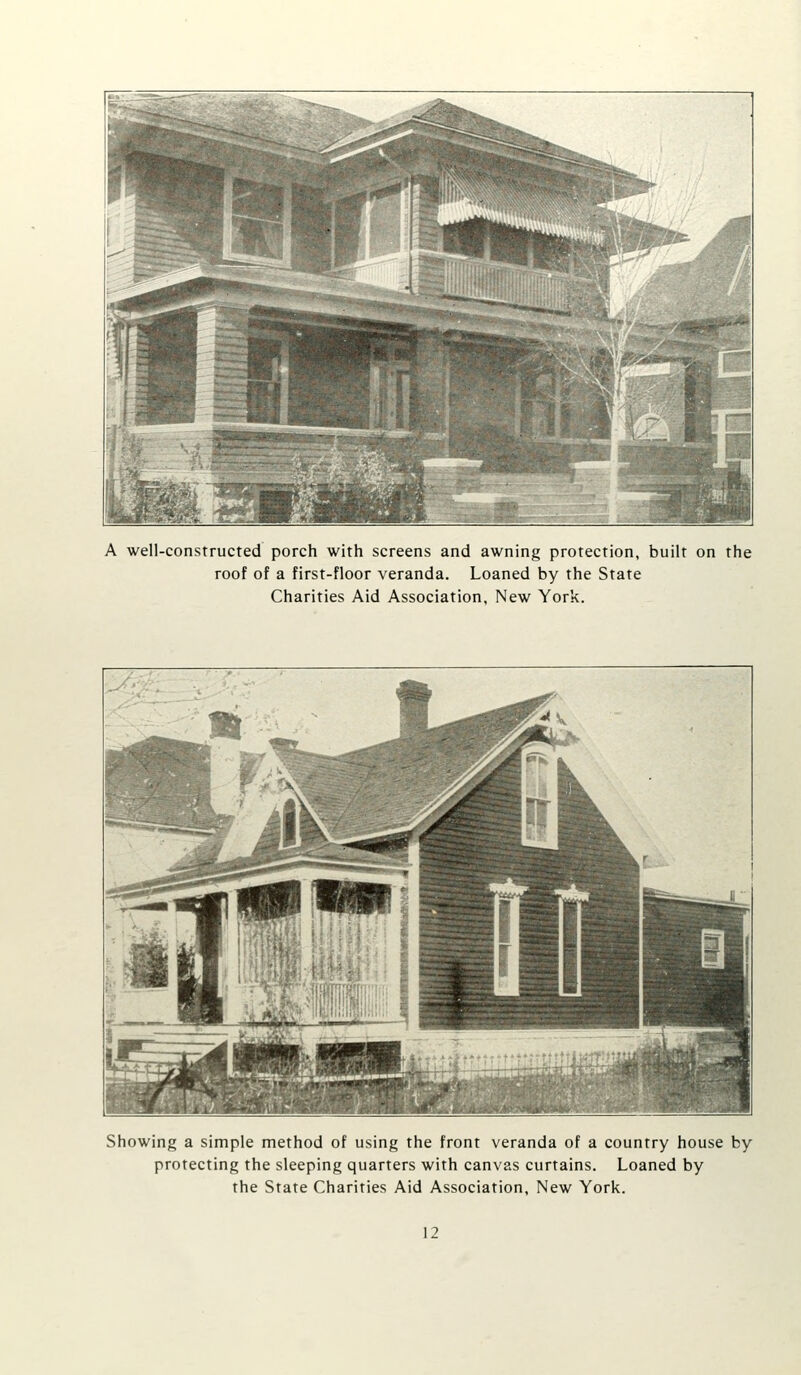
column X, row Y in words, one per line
column 316, row 297
column 324, row 855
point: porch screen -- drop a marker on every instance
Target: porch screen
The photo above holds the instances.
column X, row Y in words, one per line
column 471, row 194
column 350, row 931
column 269, row 934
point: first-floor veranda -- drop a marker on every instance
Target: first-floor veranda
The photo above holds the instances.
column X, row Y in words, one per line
column 286, row 960
column 228, row 395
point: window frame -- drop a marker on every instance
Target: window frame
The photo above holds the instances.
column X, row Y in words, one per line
column 284, row 843
column 548, row 753
column 570, row 897
column 119, row 243
column 512, row 893
column 720, row 416
column 725, row 372
column 228, row 224
column 561, row 403
column 719, row 961
column 367, row 196
column 650, row 438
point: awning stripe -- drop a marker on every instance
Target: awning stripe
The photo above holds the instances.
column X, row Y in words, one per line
column 466, row 194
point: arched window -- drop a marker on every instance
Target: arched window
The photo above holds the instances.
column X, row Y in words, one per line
column 539, row 802
column 290, row 824
column 651, row 426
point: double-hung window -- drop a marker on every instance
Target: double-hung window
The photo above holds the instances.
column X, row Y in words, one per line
column 571, row 903
column 257, row 216
column 268, row 368
column 542, row 402
column 506, row 940
column 712, row 949
column 539, row 800
column 290, row 824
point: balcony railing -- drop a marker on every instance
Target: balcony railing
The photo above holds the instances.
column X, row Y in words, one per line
column 389, row 272
column 518, row 286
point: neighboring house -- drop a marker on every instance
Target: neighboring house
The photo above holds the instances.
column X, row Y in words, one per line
column 475, row 886
column 284, row 276
column 709, row 296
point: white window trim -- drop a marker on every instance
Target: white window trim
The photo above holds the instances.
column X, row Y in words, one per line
column 720, row 962
column 119, row 245
column 283, row 843
column 283, row 340
column 571, row 896
column 550, row 756
column 368, row 194
column 722, row 372
column 720, row 457
column 507, row 892
column 228, row 200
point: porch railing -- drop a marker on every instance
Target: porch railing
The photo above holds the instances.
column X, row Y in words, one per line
column 517, row 286
column 350, row 1002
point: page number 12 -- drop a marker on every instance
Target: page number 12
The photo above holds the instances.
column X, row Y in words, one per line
column 430, row 1233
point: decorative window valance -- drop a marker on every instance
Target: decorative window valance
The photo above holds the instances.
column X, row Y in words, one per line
column 467, row 194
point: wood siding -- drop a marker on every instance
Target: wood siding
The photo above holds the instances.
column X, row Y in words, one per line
column 120, row 261
column 478, row 843
column 678, row 990
column 179, row 214
column 268, row 847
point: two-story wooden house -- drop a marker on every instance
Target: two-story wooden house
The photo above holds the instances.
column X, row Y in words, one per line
column 283, row 276
column 476, row 886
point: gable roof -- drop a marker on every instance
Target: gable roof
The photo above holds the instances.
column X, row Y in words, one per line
column 267, row 115
column 707, row 290
column 164, row 782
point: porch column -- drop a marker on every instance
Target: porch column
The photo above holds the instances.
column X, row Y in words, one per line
column 222, row 365
column 432, row 386
column 172, row 953
column 394, row 951
column 136, row 382
column 231, row 1010
column 697, row 403
column 306, row 951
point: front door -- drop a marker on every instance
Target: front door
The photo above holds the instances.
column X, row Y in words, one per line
column 199, row 962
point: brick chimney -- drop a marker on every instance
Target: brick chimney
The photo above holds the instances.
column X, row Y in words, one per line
column 224, row 762
column 413, row 698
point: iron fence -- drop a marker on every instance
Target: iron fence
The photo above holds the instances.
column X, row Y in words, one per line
column 651, row 1079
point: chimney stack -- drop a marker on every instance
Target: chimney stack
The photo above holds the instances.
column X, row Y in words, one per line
column 413, row 698
column 224, row 762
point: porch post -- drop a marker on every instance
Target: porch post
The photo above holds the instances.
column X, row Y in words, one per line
column 231, row 1011
column 432, row 386
column 394, row 951
column 222, row 365
column 172, row 953
column 307, row 999
column 135, row 400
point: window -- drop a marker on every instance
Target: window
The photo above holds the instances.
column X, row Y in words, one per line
column 543, row 402
column 268, row 367
column 115, row 200
column 256, row 220
column 367, row 225
column 290, row 824
column 506, row 940
column 571, row 902
column 733, row 432
column 539, row 798
column 650, row 426
column 712, row 949
column 734, row 363
column 466, row 239
column 500, row 243
column 389, row 385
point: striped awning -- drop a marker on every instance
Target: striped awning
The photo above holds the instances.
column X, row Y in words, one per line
column 466, row 194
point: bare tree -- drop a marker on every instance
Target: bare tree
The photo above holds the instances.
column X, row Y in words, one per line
column 616, row 338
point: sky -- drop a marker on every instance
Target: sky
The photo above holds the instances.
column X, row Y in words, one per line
column 678, row 739
column 686, row 133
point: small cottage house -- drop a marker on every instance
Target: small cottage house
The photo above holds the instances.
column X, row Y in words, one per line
column 476, row 886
